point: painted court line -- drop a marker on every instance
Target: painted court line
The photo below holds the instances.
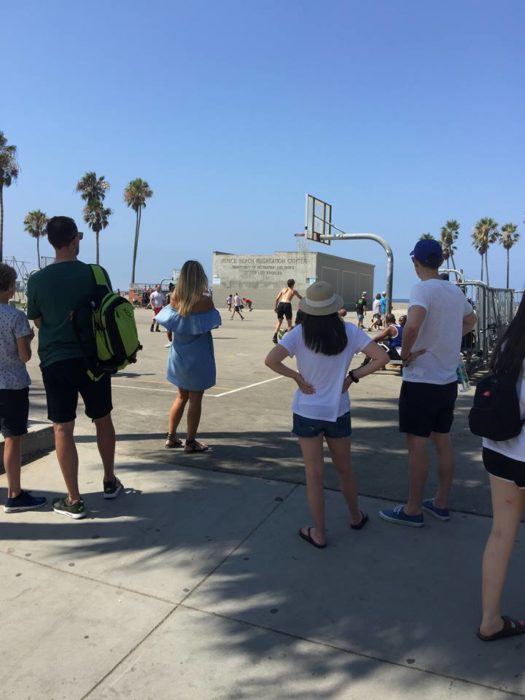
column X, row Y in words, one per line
column 215, row 396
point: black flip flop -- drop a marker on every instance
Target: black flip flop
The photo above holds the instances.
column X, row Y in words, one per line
column 360, row 525
column 511, row 628
column 308, row 538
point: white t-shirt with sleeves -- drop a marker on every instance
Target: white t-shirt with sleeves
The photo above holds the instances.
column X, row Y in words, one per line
column 515, row 447
column 326, row 373
column 440, row 333
column 13, row 325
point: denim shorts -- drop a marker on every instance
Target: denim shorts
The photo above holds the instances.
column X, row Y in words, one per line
column 312, row 427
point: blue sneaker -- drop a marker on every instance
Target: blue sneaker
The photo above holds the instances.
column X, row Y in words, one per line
column 24, row 501
column 398, row 515
column 439, row 513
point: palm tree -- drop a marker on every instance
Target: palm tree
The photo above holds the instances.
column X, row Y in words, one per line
column 92, row 188
column 449, row 235
column 96, row 217
column 507, row 239
column 484, row 234
column 135, row 195
column 35, row 224
column 8, row 174
column 426, row 237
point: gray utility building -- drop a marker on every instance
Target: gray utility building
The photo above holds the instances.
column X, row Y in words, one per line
column 260, row 277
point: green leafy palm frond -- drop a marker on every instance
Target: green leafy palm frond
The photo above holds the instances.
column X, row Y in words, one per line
column 509, row 235
column 93, row 188
column 136, row 193
column 96, row 216
column 9, row 168
column 35, row 223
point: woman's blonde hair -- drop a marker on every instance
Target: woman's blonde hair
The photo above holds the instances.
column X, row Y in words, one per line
column 190, row 287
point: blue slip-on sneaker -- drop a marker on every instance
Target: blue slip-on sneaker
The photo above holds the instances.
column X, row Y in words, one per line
column 24, row 501
column 439, row 513
column 398, row 515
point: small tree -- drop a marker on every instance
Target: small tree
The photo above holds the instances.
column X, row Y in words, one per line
column 9, row 171
column 135, row 195
column 484, row 234
column 96, row 217
column 449, row 235
column 508, row 238
column 426, row 237
column 35, row 224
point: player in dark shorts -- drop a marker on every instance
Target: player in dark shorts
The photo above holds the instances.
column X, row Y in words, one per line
column 283, row 306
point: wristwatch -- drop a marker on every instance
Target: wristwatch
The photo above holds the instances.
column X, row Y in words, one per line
column 352, row 376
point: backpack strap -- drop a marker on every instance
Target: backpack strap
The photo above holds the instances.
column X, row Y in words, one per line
column 101, row 278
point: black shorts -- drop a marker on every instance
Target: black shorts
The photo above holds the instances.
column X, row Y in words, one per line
column 426, row 408
column 504, row 467
column 14, row 411
column 284, row 309
column 64, row 381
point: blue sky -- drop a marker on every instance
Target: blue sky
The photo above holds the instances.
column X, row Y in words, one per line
column 400, row 113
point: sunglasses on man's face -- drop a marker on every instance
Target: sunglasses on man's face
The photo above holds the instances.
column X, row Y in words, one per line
column 78, row 234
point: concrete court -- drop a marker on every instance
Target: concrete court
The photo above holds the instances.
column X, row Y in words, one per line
column 194, row 583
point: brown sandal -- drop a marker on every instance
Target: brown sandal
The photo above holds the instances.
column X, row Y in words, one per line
column 192, row 447
column 172, row 441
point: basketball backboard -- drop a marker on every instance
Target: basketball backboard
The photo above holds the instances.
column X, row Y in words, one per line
column 318, row 219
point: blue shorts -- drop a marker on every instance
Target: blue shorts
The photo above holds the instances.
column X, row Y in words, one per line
column 312, row 427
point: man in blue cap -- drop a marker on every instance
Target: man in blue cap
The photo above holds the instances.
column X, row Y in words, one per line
column 438, row 316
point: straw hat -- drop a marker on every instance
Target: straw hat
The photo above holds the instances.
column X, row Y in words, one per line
column 320, row 300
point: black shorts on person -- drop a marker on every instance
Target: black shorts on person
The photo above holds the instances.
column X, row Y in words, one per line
column 284, row 309
column 14, row 411
column 64, row 381
column 504, row 467
column 426, row 408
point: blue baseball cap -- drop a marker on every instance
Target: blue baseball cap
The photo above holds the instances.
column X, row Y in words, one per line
column 428, row 252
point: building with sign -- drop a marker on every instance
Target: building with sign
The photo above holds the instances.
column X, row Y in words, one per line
column 259, row 277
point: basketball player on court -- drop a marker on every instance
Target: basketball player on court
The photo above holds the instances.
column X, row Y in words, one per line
column 283, row 307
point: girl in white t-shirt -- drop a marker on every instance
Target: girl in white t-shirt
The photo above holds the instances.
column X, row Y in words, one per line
column 324, row 346
column 505, row 463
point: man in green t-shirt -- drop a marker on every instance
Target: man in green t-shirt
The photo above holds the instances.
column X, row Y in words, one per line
column 52, row 295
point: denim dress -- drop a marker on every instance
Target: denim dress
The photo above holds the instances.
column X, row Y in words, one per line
column 191, row 362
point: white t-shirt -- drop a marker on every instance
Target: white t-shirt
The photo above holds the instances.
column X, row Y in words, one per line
column 237, row 301
column 440, row 333
column 376, row 306
column 326, row 373
column 156, row 300
column 515, row 447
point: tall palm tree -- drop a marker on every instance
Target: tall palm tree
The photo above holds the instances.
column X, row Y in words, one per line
column 8, row 174
column 507, row 239
column 92, row 188
column 35, row 224
column 96, row 217
column 426, row 237
column 485, row 233
column 449, row 235
column 135, row 195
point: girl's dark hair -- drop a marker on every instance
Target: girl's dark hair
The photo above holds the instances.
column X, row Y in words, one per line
column 324, row 334
column 508, row 359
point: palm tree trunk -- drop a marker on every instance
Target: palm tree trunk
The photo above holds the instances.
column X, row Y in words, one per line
column 38, row 251
column 1, row 223
column 453, row 262
column 481, row 278
column 487, row 266
column 96, row 239
column 508, row 266
column 135, row 245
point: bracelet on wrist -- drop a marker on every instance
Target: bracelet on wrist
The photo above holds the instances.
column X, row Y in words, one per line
column 355, row 380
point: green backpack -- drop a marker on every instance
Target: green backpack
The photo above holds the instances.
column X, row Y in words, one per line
column 106, row 329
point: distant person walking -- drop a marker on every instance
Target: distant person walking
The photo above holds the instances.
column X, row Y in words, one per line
column 505, row 462
column 156, row 301
column 377, row 320
column 384, row 304
column 52, row 294
column 237, row 306
column 360, row 307
column 190, row 317
column 15, row 351
column 283, row 306
column 438, row 316
column 229, row 302
column 324, row 346
column 248, row 303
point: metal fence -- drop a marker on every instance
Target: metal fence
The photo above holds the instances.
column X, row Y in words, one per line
column 495, row 309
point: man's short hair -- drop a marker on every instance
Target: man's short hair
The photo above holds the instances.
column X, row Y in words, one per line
column 428, row 253
column 290, row 283
column 60, row 231
column 390, row 318
column 7, row 277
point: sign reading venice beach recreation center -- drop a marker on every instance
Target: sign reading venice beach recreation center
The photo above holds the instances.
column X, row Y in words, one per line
column 260, row 277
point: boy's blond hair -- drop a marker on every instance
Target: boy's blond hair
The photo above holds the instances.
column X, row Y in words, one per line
column 7, row 277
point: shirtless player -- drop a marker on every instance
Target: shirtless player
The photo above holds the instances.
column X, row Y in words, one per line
column 283, row 306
